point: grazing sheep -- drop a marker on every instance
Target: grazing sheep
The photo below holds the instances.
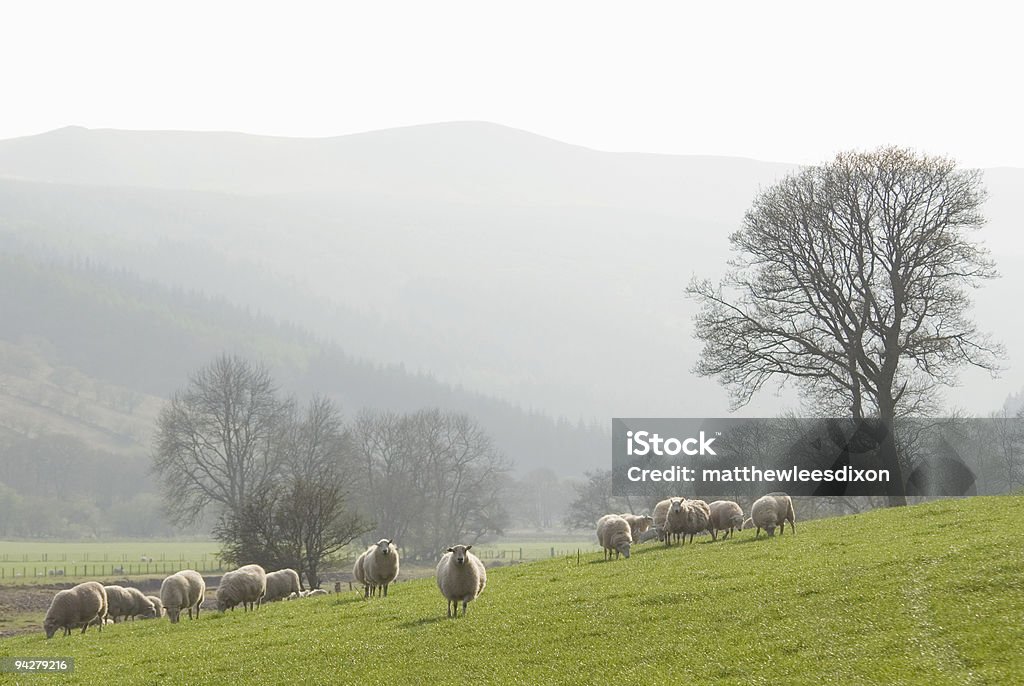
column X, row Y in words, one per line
column 120, row 603
column 76, row 607
column 613, row 535
column 726, row 515
column 638, row 524
column 380, row 566
column 246, row 585
column 142, row 606
column 461, row 576
column 281, row 584
column 185, row 589
column 158, row 607
column 748, row 523
column 648, row 535
column 316, row 591
column 769, row 511
column 359, row 574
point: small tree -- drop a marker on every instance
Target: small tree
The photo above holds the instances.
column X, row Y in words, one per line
column 304, row 517
column 852, row 279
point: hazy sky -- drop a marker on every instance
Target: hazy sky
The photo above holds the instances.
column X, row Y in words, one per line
column 777, row 81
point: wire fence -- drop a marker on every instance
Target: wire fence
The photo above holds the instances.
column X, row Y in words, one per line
column 46, row 566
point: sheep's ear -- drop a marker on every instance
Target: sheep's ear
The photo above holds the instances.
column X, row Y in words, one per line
column 468, row 547
column 451, row 550
column 390, row 540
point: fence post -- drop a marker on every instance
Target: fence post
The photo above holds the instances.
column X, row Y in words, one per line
column 552, row 552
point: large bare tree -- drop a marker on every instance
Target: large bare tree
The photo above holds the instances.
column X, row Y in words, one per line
column 219, row 440
column 852, row 278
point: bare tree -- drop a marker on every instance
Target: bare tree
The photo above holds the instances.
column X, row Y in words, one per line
column 217, row 441
column 305, row 514
column 852, row 279
column 429, row 479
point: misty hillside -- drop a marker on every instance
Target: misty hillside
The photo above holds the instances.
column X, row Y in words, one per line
column 92, row 353
column 516, row 266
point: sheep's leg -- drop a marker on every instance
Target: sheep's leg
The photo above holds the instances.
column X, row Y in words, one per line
column 385, row 590
column 464, row 604
column 757, row 534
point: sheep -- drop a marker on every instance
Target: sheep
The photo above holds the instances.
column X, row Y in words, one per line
column 698, row 518
column 461, row 576
column 184, row 589
column 638, row 524
column 726, row 515
column 246, row 585
column 660, row 511
column 648, row 535
column 316, row 591
column 769, row 511
column 674, row 523
column 748, row 523
column 359, row 574
column 76, row 607
column 380, row 566
column 281, row 584
column 120, row 603
column 613, row 535
column 158, row 607
column 141, row 605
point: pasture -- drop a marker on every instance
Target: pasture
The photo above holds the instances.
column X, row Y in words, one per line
column 931, row 594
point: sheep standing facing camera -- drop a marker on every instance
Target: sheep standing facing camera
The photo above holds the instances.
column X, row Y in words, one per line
column 461, row 576
column 380, row 566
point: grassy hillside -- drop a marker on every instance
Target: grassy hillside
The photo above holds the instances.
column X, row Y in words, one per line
column 931, row 594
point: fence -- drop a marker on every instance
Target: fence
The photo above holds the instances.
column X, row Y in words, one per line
column 42, row 567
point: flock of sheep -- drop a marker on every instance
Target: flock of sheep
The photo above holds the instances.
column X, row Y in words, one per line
column 461, row 576
column 675, row 518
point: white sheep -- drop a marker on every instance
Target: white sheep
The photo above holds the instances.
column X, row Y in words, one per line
column 638, row 524
column 674, row 523
column 184, row 589
column 614, row 536
column 726, row 515
column 698, row 518
column 158, row 607
column 359, row 573
column 316, row 592
column 76, row 607
column 461, row 576
column 281, row 584
column 142, row 606
column 380, row 566
column 769, row 511
column 246, row 585
column 120, row 603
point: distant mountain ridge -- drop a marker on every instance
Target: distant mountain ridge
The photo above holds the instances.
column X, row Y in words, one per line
column 507, row 263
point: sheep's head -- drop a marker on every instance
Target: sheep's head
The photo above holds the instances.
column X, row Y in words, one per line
column 460, row 553
column 384, row 547
column 173, row 613
column 676, row 505
column 50, row 627
column 623, row 548
column 148, row 610
column 770, row 529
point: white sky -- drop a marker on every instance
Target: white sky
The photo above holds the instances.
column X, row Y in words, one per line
column 778, row 81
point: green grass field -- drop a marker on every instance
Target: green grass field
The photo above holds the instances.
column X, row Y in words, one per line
column 931, row 595
column 29, row 561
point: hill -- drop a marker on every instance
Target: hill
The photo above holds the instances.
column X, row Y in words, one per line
column 922, row 595
column 91, row 352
